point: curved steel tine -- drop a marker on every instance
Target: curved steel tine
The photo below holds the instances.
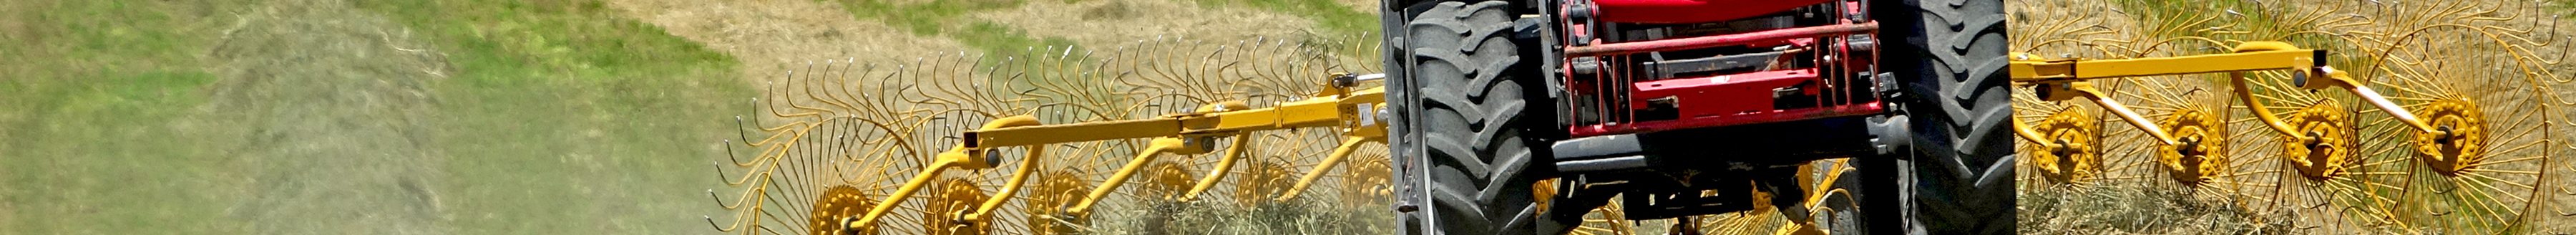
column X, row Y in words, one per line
column 720, row 173
column 808, row 89
column 737, row 132
column 729, row 155
column 828, row 95
column 843, row 84
column 711, row 222
column 711, row 194
column 908, row 73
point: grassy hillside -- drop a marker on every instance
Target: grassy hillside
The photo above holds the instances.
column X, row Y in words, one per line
column 447, row 116
column 326, row 117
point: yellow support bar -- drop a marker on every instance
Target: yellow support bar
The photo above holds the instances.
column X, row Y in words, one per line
column 1019, row 178
column 2056, row 91
column 1076, row 132
column 1339, row 153
column 1158, row 146
column 2028, row 68
column 2261, row 113
column 1223, row 165
column 2250, row 56
column 1312, row 112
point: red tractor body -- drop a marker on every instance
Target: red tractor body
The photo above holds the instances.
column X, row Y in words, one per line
column 1681, row 108
column 1761, row 62
column 1691, row 11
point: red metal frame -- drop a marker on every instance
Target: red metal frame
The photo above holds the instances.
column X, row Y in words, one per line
column 1691, row 11
column 1767, row 36
column 1720, row 100
column 1731, row 120
column 1742, row 93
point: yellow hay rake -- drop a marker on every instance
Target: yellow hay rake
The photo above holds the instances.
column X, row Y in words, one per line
column 1063, row 138
column 2426, row 117
column 2437, row 117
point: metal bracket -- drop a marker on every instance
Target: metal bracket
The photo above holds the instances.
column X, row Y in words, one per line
column 1675, row 68
column 1891, row 134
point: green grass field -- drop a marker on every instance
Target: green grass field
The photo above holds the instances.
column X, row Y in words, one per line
column 394, row 117
column 325, row 117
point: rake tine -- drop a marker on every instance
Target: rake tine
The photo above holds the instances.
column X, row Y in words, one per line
column 711, row 222
column 720, row 173
column 730, row 145
column 711, row 194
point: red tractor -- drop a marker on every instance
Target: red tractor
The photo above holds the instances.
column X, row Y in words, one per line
column 1688, row 107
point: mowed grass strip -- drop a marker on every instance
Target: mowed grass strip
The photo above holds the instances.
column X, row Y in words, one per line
column 564, row 118
column 546, row 117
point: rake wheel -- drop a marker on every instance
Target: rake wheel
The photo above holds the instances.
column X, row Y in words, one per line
column 2322, row 181
column 2481, row 168
column 813, row 171
column 2204, row 160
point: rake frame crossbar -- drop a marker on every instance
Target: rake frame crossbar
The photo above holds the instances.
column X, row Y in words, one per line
column 1312, row 112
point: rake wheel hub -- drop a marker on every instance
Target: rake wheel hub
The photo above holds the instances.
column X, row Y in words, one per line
column 2325, row 153
column 1268, row 177
column 2076, row 156
column 955, row 197
column 2194, row 160
column 839, row 206
column 1048, row 199
column 2458, row 144
column 1165, row 180
column 1367, row 182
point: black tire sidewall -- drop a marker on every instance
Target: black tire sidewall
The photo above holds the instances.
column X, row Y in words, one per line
column 1949, row 57
column 1475, row 121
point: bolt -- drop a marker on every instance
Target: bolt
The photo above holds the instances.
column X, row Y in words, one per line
column 2447, row 138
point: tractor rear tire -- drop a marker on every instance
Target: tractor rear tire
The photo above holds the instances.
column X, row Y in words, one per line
column 1476, row 94
column 1949, row 56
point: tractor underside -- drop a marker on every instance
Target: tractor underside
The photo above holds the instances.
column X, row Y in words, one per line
column 1686, row 106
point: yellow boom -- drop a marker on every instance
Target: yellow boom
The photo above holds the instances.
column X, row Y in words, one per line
column 2062, row 79
column 1339, row 106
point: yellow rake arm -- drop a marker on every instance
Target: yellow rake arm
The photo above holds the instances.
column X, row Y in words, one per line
column 2061, row 79
column 1350, row 112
